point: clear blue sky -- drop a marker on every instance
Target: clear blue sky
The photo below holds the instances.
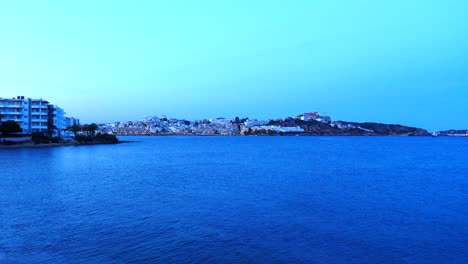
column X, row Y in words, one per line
column 399, row 61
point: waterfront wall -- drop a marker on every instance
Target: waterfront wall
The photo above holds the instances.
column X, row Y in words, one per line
column 17, row 139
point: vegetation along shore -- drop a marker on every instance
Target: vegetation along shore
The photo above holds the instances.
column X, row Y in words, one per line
column 82, row 135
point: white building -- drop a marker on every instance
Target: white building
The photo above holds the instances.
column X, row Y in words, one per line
column 221, row 121
column 33, row 115
column 71, row 121
column 59, row 118
column 255, row 122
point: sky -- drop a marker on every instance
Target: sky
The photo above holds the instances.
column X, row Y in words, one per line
column 400, row 61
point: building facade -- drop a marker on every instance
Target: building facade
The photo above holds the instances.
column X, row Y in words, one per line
column 71, row 121
column 315, row 116
column 33, row 115
column 310, row 116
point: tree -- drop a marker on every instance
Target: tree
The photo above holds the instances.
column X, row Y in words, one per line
column 92, row 128
column 84, row 128
column 10, row 127
column 63, row 130
column 75, row 129
column 50, row 130
column 59, row 131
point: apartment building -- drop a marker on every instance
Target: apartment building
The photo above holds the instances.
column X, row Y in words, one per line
column 33, row 115
column 71, row 121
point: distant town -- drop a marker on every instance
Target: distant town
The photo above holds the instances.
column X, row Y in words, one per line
column 41, row 116
column 153, row 125
column 306, row 124
column 312, row 123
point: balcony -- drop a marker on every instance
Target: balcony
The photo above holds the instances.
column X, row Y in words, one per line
column 11, row 113
column 17, row 120
column 39, row 106
column 11, row 105
column 39, row 127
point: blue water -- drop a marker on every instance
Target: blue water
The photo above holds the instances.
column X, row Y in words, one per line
column 237, row 200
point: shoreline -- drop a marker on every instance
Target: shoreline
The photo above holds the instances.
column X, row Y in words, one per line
column 68, row 144
column 273, row 135
column 62, row 144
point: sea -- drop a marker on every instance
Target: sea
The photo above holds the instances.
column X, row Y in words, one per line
column 257, row 199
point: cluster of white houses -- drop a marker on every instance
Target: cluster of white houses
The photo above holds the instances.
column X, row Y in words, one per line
column 152, row 125
column 35, row 115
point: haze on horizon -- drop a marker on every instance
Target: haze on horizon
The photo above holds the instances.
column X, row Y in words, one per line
column 383, row 61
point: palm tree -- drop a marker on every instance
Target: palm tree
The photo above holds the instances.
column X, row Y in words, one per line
column 75, row 129
column 92, row 128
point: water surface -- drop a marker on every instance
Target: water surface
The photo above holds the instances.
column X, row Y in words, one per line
column 237, row 200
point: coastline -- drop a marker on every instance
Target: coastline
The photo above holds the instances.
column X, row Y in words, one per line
column 62, row 144
column 68, row 144
column 271, row 135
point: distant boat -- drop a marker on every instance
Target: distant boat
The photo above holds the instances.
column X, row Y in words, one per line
column 435, row 134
